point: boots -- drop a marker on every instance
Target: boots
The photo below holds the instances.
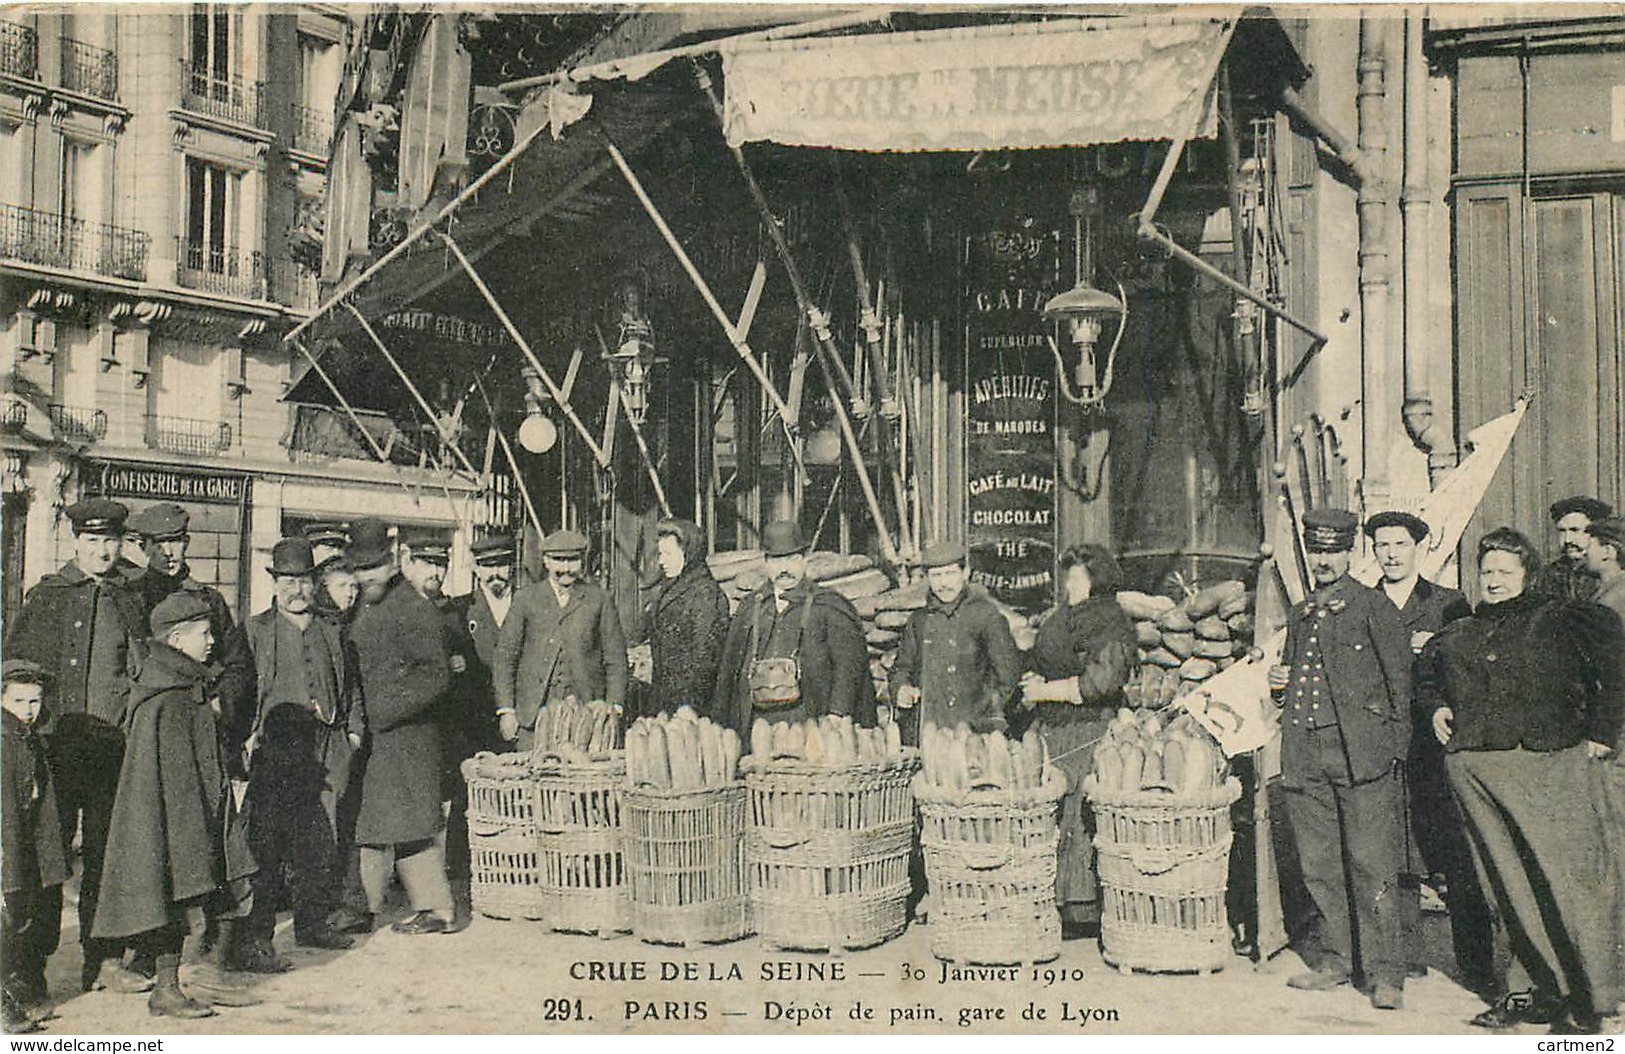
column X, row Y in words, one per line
column 167, row 999
column 210, row 980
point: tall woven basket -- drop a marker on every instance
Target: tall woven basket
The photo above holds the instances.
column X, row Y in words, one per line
column 827, row 852
column 504, row 876
column 1164, row 866
column 578, row 836
column 990, row 864
column 685, row 864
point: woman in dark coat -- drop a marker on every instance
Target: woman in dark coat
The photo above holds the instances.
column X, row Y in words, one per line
column 1527, row 698
column 1082, row 658
column 686, row 623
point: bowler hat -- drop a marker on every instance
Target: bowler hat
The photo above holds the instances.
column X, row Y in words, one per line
column 369, row 544
column 783, row 538
column 177, row 609
column 161, row 522
column 564, row 543
column 291, row 558
column 97, row 516
column 1591, row 508
column 942, row 554
column 1329, row 530
column 1414, row 525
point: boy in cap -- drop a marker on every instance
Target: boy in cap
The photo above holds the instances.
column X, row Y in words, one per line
column 87, row 630
column 1605, row 558
column 32, row 858
column 1567, row 577
column 1344, row 686
column 562, row 639
column 795, row 649
column 180, row 843
column 956, row 660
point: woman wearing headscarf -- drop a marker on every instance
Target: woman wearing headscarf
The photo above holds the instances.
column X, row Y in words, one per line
column 1082, row 657
column 1527, row 697
column 686, row 623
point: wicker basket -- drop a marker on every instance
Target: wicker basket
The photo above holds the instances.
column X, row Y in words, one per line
column 685, row 864
column 1164, row 866
column 827, row 851
column 504, row 876
column 990, row 863
column 578, row 836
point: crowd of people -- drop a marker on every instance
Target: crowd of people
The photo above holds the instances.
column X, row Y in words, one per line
column 308, row 758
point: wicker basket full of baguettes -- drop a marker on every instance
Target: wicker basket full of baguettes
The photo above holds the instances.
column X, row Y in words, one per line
column 683, row 831
column 1162, row 802
column 577, row 774
column 829, row 831
column 504, row 872
column 988, row 828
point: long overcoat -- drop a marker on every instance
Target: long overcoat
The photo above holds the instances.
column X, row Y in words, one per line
column 54, row 629
column 231, row 668
column 400, row 651
column 687, row 626
column 584, row 635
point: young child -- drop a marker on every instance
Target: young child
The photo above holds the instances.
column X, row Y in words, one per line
column 32, row 857
column 177, row 849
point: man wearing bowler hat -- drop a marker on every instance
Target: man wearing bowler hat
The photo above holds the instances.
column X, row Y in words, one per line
column 1567, row 577
column 1344, row 688
column 300, row 750
column 561, row 639
column 956, row 660
column 795, row 649
column 1436, row 838
column 87, row 629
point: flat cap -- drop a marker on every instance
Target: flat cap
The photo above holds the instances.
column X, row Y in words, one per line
column 1329, row 530
column 942, row 554
column 22, row 670
column 493, row 549
column 1591, row 508
column 177, row 609
column 1609, row 530
column 369, row 544
column 783, row 538
column 292, row 558
column 1415, row 525
column 564, row 543
column 97, row 516
column 161, row 522
column 326, row 533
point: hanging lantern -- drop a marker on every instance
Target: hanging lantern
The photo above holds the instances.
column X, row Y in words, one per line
column 1085, row 310
column 633, row 357
column 537, row 433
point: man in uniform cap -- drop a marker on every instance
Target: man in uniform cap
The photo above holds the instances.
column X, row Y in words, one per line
column 793, row 621
column 481, row 613
column 1567, row 577
column 300, row 747
column 956, row 660
column 327, row 540
column 86, row 628
column 1345, row 691
column 165, row 537
column 562, row 639
column 401, row 656
column 1436, row 836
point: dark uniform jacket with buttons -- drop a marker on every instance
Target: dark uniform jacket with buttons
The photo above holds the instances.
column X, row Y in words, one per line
column 1529, row 672
column 1350, row 660
column 581, row 641
column 56, row 629
column 962, row 658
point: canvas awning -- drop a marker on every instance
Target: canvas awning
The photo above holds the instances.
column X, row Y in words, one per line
column 1062, row 83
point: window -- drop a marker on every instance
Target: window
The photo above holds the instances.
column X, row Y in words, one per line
column 212, row 193
column 215, row 42
column 73, row 175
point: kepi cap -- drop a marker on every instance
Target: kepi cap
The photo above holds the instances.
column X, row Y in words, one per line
column 291, row 558
column 1414, row 525
column 177, row 609
column 97, row 516
column 369, row 544
column 564, row 543
column 1591, row 508
column 783, row 538
column 1329, row 530
column 942, row 554
column 426, row 544
column 493, row 549
column 163, row 522
column 326, row 533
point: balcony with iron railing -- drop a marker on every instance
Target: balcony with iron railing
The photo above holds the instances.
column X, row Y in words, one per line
column 229, row 98
column 187, row 435
column 79, row 423
column 219, row 269
column 53, row 240
column 14, row 415
column 312, row 130
column 19, row 51
column 89, row 69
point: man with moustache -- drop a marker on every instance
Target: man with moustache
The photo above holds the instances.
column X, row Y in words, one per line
column 561, row 639
column 87, row 629
column 400, row 650
column 795, row 649
column 1344, row 687
column 481, row 613
column 1437, row 835
column 1567, row 577
column 300, row 749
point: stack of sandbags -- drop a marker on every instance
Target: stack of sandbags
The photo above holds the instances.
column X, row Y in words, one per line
column 1183, row 643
